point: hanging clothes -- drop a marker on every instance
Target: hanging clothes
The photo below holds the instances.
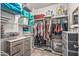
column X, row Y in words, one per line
column 57, row 29
column 41, row 27
column 35, row 29
column 62, row 24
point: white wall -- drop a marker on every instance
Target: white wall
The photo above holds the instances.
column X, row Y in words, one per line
column 71, row 8
column 45, row 9
column 16, row 27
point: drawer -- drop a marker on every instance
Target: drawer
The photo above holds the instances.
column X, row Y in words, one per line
column 17, row 49
column 17, row 42
column 57, row 46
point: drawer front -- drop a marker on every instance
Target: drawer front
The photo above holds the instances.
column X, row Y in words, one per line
column 17, row 49
column 17, row 42
column 57, row 46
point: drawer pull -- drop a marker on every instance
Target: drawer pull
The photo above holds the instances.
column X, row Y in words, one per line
column 75, row 46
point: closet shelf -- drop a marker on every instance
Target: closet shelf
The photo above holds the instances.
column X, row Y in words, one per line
column 47, row 16
column 74, row 26
column 75, row 14
column 61, row 16
column 56, row 22
column 24, row 25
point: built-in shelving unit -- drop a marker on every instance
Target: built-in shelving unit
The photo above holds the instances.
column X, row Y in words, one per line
column 57, row 39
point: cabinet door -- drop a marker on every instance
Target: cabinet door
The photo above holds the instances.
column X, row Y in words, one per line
column 78, row 44
column 78, row 29
column 27, row 43
column 73, row 44
column 27, row 46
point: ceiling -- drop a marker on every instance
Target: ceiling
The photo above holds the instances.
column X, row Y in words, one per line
column 40, row 5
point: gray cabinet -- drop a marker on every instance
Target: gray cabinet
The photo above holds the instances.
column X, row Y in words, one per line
column 15, row 47
column 69, row 41
column 19, row 47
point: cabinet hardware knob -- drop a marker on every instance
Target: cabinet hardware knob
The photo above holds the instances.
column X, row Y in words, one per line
column 75, row 46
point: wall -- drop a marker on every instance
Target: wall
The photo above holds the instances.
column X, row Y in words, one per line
column 45, row 9
column 0, row 30
column 16, row 27
column 71, row 8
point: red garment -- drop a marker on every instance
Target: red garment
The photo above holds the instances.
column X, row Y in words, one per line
column 57, row 29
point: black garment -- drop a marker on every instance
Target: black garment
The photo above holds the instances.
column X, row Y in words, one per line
column 39, row 41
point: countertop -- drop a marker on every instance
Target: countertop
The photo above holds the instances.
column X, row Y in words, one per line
column 18, row 38
column 15, row 38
